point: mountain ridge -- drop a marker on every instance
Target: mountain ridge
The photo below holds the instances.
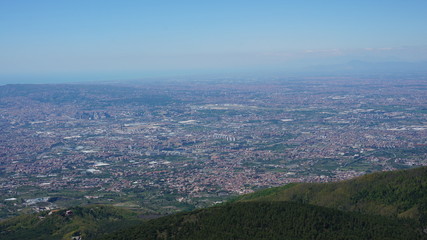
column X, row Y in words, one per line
column 383, row 205
column 395, row 193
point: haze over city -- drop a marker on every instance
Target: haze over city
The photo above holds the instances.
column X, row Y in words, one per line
column 76, row 41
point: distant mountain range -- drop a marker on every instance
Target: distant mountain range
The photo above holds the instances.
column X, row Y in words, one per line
column 384, row 205
column 366, row 67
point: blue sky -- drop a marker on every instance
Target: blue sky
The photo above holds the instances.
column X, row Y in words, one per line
column 110, row 40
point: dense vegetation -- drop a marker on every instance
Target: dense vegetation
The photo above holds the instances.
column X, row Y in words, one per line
column 354, row 210
column 87, row 222
column 272, row 220
column 397, row 194
column 387, row 205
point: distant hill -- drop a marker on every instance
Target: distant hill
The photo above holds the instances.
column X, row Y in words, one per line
column 87, row 222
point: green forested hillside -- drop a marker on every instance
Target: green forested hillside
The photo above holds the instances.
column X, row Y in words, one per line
column 397, row 193
column 272, row 220
column 386, row 205
column 87, row 222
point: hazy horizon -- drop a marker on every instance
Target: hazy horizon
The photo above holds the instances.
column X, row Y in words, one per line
column 49, row 41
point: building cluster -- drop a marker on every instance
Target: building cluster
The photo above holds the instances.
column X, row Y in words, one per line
column 204, row 141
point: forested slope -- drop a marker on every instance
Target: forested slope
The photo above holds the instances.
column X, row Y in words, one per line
column 88, row 222
column 384, row 205
column 397, row 193
column 272, row 220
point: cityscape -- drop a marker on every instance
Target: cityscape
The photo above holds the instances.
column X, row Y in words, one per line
column 169, row 146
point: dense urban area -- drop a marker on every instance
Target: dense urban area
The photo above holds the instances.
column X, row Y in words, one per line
column 168, row 146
